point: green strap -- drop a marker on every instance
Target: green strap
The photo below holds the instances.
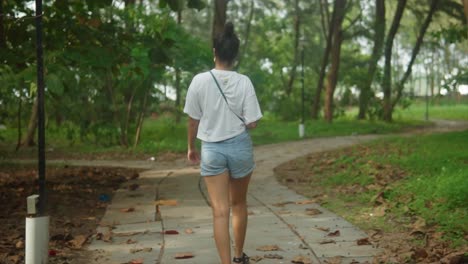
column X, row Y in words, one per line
column 221, row 91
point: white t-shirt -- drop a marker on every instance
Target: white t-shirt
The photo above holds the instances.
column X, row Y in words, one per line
column 204, row 102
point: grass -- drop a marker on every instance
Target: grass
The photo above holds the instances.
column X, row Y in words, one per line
column 447, row 112
column 435, row 169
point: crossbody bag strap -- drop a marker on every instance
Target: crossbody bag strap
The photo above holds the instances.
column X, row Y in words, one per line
column 225, row 99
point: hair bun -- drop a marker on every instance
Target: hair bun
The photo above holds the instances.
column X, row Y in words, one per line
column 229, row 29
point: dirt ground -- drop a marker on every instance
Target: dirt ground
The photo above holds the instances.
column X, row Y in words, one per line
column 408, row 240
column 77, row 198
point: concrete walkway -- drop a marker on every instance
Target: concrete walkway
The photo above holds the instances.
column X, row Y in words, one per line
column 278, row 216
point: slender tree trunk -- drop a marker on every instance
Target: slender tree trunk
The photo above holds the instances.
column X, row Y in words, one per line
column 297, row 33
column 141, row 119
column 332, row 79
column 220, row 7
column 414, row 54
column 28, row 140
column 247, row 34
column 323, row 67
column 2, row 26
column 20, row 103
column 177, row 77
column 324, row 17
column 465, row 8
column 379, row 35
column 387, row 78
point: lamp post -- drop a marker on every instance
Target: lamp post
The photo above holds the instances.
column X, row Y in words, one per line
column 37, row 223
column 301, row 125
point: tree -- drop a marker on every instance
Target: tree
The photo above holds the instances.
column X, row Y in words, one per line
column 332, row 78
column 387, row 78
column 297, row 33
column 220, row 7
column 379, row 35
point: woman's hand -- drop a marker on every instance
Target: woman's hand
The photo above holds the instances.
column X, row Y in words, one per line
column 193, row 156
column 252, row 125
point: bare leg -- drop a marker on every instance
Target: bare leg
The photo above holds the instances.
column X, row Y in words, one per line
column 238, row 190
column 218, row 190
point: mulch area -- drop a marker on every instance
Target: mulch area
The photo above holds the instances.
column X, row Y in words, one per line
column 77, row 198
column 409, row 240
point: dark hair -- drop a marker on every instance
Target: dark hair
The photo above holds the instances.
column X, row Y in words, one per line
column 226, row 44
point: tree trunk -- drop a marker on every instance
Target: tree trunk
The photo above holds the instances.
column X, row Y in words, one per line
column 247, row 35
column 379, row 34
column 332, row 79
column 324, row 17
column 18, row 142
column 387, row 78
column 417, row 47
column 297, row 28
column 177, row 77
column 326, row 54
column 28, row 140
column 219, row 19
column 140, row 120
column 2, row 26
column 465, row 8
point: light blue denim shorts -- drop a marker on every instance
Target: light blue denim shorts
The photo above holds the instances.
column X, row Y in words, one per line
column 234, row 155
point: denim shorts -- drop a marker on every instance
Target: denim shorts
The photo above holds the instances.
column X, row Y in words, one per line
column 234, row 155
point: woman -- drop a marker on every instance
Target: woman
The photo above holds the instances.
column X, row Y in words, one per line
column 222, row 106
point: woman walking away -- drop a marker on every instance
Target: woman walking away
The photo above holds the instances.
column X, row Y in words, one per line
column 222, row 106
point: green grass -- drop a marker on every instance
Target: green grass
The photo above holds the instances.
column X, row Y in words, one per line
column 418, row 111
column 435, row 186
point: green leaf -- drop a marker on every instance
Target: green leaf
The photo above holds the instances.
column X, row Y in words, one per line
column 54, row 84
column 196, row 4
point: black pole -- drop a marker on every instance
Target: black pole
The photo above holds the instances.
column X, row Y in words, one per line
column 302, row 80
column 427, row 98
column 40, row 109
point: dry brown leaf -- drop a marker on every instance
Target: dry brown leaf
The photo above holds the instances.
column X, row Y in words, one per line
column 268, row 248
column 324, row 229
column 363, row 241
column 127, row 210
column 136, row 261
column 131, row 241
column 166, row 202
column 301, row 246
column 188, row 231
column 256, row 258
column 301, row 260
column 133, row 187
column 334, row 234
column 19, row 244
column 419, row 224
column 184, row 255
column 135, row 250
column 327, row 241
column 171, row 232
column 334, row 260
column 283, row 212
column 312, row 211
column 419, row 253
column 77, row 242
column 282, row 204
column 380, row 210
column 273, row 256
column 307, row 201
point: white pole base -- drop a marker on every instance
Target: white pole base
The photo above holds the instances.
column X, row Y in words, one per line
column 301, row 130
column 37, row 240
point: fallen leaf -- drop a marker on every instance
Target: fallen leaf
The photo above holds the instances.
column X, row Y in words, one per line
column 283, row 212
column 306, row 202
column 268, row 248
column 52, row 253
column 324, row 229
column 136, row 261
column 256, row 258
column 327, row 241
column 19, row 244
column 281, row 204
column 133, row 187
column 334, row 234
column 77, row 242
column 127, row 210
column 183, row 255
column 301, row 246
column 131, row 241
column 419, row 253
column 301, row 260
column 379, row 210
column 166, row 202
column 363, row 241
column 188, row 231
column 334, row 260
column 273, row 256
column 171, row 232
column 135, row 250
column 250, row 213
column 419, row 224
column 312, row 211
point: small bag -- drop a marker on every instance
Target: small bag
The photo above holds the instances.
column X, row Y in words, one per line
column 221, row 91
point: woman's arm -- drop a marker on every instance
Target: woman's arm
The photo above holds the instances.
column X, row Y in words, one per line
column 192, row 153
column 252, row 125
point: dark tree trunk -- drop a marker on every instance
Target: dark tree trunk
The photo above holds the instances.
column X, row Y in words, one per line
column 220, row 7
column 387, row 78
column 339, row 6
column 297, row 33
column 414, row 54
column 140, row 120
column 177, row 77
column 323, row 67
column 28, row 140
column 20, row 103
column 465, row 9
column 379, row 35
column 2, row 26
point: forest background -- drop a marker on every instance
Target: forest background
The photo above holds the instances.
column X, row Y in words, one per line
column 117, row 72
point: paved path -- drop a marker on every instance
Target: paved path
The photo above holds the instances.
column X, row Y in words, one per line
column 146, row 231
